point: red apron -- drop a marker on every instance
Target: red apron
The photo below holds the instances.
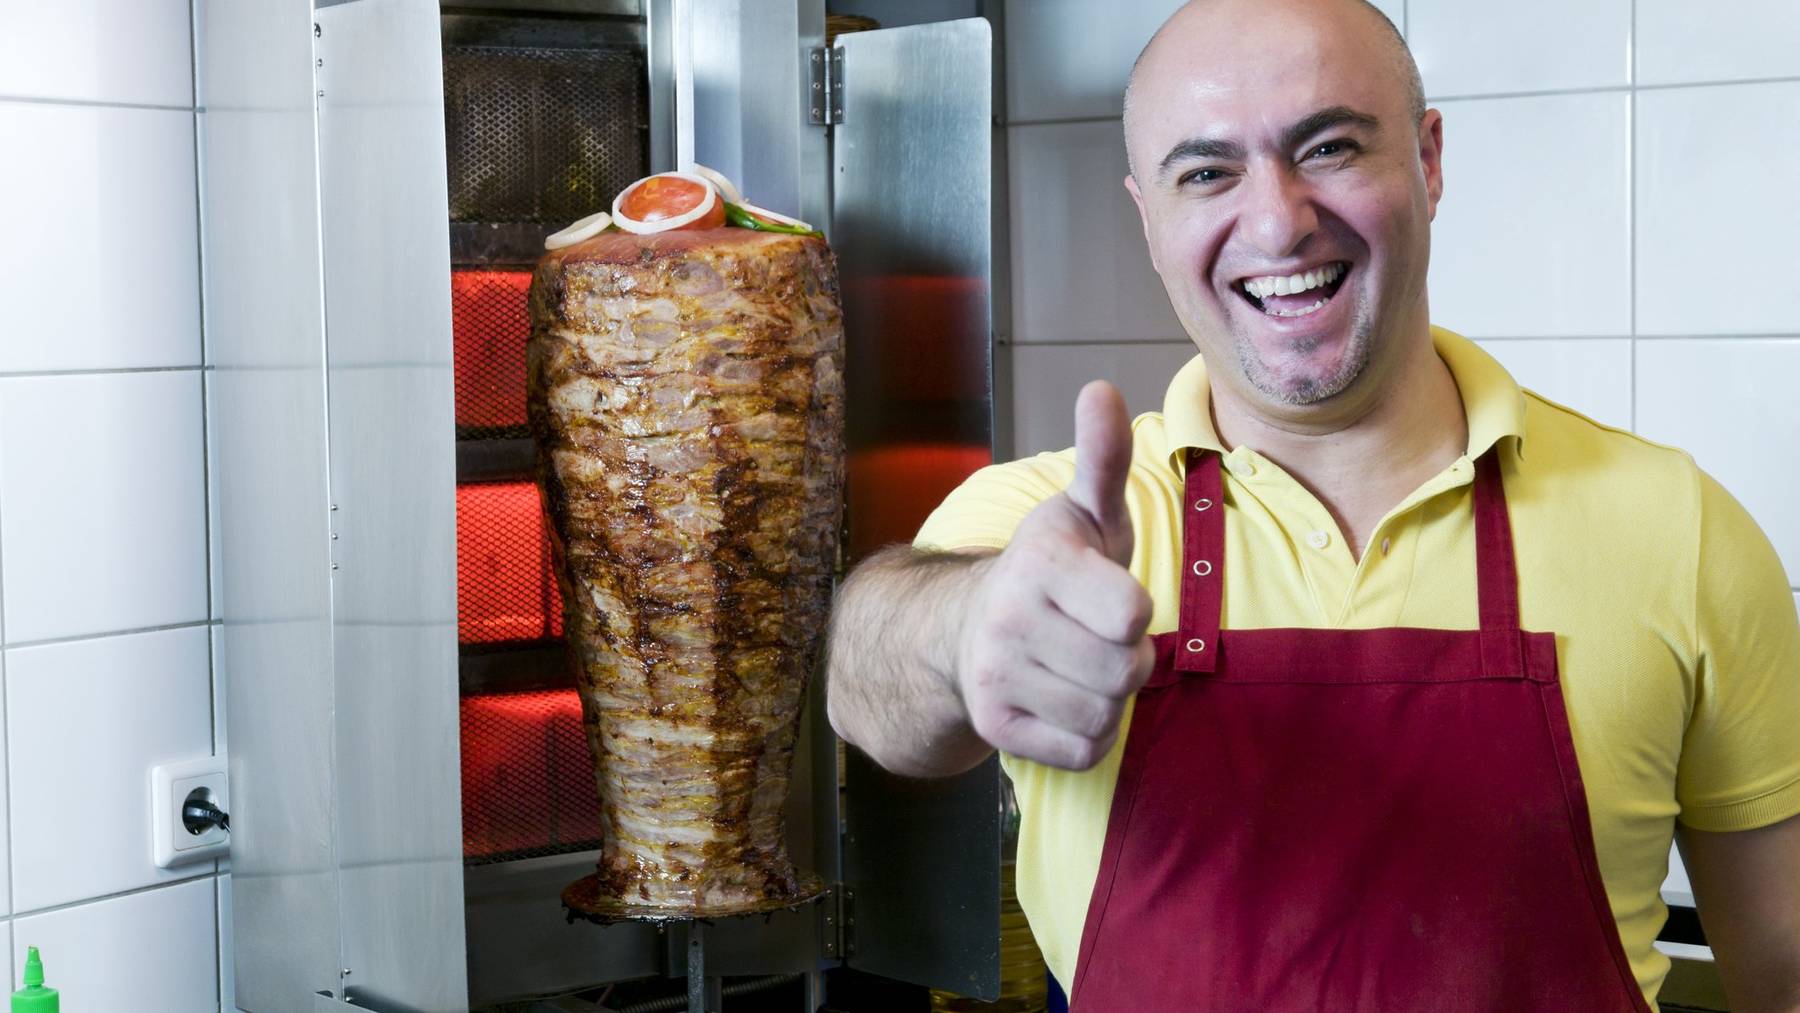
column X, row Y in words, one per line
column 1325, row 820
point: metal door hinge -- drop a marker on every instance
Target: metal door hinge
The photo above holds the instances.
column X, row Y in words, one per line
column 825, row 85
column 840, row 922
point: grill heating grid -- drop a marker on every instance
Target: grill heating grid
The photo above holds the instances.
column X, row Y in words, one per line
column 540, row 134
column 545, row 121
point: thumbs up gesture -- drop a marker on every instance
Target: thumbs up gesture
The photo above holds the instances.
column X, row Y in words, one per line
column 1052, row 644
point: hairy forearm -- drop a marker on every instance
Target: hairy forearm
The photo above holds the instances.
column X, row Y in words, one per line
column 890, row 661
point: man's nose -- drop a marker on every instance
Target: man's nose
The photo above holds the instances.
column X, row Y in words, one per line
column 1278, row 214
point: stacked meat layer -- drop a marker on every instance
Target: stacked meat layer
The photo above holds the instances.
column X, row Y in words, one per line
column 686, row 396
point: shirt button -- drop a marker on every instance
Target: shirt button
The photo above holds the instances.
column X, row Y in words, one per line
column 1318, row 539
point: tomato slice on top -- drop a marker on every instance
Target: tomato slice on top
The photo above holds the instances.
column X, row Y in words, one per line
column 667, row 196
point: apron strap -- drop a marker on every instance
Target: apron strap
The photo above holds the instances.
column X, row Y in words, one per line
column 1497, row 573
column 1203, row 563
column 1203, row 573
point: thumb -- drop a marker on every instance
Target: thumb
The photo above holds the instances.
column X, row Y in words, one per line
column 1102, row 460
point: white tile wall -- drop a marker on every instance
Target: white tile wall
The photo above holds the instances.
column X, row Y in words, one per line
column 227, row 968
column 1063, row 62
column 102, row 503
column 1676, row 888
column 1679, row 41
column 1718, row 209
column 1590, row 375
column 106, row 274
column 1080, row 269
column 1730, row 403
column 1047, row 378
column 6, row 905
column 150, row 952
column 107, row 709
column 1465, row 48
column 123, row 51
column 1533, row 235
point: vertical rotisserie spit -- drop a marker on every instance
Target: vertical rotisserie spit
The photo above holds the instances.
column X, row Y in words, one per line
column 686, row 398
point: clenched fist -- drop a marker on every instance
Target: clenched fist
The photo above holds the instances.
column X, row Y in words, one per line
column 1052, row 644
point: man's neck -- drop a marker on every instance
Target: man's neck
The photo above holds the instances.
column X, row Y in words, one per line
column 1362, row 460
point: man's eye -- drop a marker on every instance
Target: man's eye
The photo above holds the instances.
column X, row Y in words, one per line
column 1330, row 149
column 1203, row 176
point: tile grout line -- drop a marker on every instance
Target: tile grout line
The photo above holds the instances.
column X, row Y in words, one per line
column 105, row 634
column 1614, row 89
column 6, row 778
column 206, row 476
column 5, row 732
column 100, row 371
column 82, row 103
column 1631, row 222
column 51, row 909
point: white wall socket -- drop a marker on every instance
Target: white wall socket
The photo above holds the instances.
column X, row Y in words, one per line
column 170, row 786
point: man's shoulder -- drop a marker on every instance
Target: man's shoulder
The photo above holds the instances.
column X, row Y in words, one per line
column 1572, row 449
column 983, row 511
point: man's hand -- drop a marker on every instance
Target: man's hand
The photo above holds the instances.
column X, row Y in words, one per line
column 1052, row 644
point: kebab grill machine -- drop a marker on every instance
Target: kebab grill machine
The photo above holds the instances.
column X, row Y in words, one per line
column 417, row 815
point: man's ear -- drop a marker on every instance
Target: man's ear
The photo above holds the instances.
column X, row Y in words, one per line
column 1137, row 197
column 1431, row 156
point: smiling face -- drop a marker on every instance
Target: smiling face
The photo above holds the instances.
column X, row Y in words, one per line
column 1287, row 189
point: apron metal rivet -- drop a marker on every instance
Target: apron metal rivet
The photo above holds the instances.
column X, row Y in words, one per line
column 1202, row 504
column 1196, row 645
column 1202, row 567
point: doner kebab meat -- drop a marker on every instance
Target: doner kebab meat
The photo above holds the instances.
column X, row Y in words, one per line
column 686, row 398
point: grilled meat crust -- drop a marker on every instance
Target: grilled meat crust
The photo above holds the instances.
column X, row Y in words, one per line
column 686, row 398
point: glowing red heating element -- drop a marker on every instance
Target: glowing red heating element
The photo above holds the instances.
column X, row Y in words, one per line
column 490, row 322
column 505, row 589
column 527, row 781
column 893, row 489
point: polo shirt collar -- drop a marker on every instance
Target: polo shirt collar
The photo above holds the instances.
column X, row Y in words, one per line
column 1493, row 403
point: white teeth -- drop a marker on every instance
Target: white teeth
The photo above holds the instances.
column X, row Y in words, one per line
column 1293, row 284
column 1298, row 313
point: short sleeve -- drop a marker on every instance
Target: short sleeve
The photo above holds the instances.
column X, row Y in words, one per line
column 1740, row 758
column 986, row 509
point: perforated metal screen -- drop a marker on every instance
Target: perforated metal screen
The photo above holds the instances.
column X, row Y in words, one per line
column 505, row 588
column 528, row 784
column 491, row 322
column 539, row 134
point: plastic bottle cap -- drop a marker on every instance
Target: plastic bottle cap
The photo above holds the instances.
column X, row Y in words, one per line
column 34, row 997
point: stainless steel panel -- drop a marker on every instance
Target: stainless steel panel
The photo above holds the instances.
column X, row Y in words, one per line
column 747, row 60
column 521, row 946
column 659, row 60
column 264, row 325
column 392, row 472
column 911, row 223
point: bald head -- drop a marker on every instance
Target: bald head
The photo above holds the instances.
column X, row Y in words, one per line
column 1387, row 52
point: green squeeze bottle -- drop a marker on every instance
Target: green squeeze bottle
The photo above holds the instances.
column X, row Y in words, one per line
column 34, row 997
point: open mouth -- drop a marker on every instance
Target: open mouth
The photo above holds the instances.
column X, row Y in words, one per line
column 1294, row 295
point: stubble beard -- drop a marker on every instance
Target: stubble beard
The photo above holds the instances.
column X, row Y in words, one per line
column 1309, row 390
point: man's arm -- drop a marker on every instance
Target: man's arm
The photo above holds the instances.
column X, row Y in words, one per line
column 1747, row 888
column 935, row 660
column 890, row 663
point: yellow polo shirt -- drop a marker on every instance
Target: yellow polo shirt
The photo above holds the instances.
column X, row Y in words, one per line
column 1676, row 635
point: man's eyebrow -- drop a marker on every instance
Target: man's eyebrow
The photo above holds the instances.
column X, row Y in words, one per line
column 1201, row 147
column 1232, row 151
column 1323, row 120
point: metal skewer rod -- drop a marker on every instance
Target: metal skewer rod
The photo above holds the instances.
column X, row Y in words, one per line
column 704, row 990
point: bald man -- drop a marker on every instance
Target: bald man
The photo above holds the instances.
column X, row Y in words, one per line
column 1358, row 678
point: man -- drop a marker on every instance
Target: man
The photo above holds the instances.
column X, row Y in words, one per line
column 1358, row 678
